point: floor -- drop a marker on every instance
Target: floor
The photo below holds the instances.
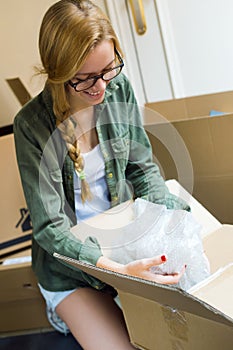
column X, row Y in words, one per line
column 40, row 341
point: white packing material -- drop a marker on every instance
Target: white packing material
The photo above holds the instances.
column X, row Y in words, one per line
column 156, row 230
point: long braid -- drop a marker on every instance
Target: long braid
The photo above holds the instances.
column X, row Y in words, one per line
column 68, row 135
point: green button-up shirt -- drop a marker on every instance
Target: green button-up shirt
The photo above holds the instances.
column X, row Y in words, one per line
column 47, row 178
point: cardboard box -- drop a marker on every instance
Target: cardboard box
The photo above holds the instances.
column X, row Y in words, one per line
column 15, row 228
column 186, row 139
column 165, row 317
column 22, row 307
column 21, row 303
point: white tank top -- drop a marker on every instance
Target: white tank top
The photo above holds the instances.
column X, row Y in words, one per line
column 94, row 169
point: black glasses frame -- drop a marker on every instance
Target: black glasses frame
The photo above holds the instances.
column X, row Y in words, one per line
column 99, row 76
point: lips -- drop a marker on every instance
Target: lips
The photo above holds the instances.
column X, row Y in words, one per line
column 95, row 94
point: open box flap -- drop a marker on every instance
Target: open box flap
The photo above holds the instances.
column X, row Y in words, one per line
column 162, row 294
column 217, row 289
column 218, row 247
column 193, row 106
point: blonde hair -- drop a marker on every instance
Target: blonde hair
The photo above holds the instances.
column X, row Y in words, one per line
column 69, row 31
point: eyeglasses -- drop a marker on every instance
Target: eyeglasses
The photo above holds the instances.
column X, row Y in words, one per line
column 106, row 76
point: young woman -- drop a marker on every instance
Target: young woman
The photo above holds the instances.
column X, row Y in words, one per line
column 81, row 149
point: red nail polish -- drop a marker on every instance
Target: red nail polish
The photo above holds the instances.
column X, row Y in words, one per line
column 163, row 258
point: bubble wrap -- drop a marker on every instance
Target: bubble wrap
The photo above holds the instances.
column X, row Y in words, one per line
column 157, row 230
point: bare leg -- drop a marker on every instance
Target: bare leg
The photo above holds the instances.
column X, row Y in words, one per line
column 95, row 320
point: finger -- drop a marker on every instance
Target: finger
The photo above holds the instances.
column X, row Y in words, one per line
column 163, row 279
column 167, row 279
column 157, row 260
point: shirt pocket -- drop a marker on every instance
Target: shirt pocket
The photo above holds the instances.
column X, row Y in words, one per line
column 56, row 175
column 120, row 146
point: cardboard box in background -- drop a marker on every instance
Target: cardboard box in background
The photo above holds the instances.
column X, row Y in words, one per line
column 208, row 140
column 15, row 228
column 167, row 318
column 21, row 303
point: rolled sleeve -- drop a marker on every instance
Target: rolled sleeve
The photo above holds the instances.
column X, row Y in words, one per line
column 90, row 251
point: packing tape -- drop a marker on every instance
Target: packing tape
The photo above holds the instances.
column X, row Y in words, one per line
column 177, row 327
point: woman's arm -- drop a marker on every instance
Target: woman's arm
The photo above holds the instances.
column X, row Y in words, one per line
column 42, row 179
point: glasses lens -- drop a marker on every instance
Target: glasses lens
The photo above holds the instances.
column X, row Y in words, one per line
column 112, row 73
column 85, row 84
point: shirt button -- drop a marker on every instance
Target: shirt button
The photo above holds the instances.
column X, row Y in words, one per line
column 110, row 175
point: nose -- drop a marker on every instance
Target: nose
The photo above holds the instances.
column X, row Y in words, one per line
column 100, row 84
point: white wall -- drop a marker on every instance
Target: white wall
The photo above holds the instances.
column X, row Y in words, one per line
column 199, row 47
column 19, row 27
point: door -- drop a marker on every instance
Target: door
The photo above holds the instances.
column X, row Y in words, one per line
column 145, row 59
column 186, row 49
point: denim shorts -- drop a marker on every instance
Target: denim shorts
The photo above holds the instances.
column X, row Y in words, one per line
column 52, row 299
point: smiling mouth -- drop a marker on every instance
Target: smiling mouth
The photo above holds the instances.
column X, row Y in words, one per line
column 93, row 93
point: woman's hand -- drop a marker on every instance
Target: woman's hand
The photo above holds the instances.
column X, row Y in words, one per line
column 141, row 268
